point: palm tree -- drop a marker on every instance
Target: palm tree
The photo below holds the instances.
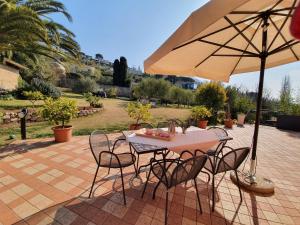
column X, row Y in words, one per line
column 26, row 31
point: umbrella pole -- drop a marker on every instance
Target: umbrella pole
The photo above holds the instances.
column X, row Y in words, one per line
column 251, row 181
column 251, row 177
column 263, row 58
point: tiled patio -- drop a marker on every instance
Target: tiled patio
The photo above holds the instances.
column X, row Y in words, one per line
column 46, row 183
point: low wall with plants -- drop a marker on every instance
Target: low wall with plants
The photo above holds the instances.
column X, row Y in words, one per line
column 34, row 116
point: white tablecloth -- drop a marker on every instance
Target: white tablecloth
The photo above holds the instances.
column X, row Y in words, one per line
column 194, row 138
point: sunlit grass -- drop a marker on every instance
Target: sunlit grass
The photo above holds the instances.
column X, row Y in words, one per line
column 113, row 118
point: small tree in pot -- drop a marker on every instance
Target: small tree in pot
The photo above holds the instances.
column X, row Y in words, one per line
column 60, row 111
column 201, row 114
column 139, row 112
column 243, row 106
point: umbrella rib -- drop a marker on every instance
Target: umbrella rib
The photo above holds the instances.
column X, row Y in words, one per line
column 244, row 12
column 277, row 3
column 281, row 14
column 228, row 47
column 284, row 46
column 283, row 9
column 215, row 32
column 239, row 60
column 241, row 33
column 233, row 55
column 255, row 12
column 282, row 25
column 226, row 43
column 293, row 52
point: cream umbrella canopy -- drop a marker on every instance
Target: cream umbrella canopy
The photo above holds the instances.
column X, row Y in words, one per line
column 226, row 37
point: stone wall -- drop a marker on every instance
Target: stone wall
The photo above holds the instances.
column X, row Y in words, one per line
column 33, row 116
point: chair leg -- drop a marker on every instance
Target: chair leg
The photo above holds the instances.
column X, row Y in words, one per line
column 146, row 182
column 137, row 165
column 238, row 184
column 166, row 209
column 154, row 192
column 198, row 196
column 124, row 197
column 94, row 181
column 207, row 176
column 213, row 193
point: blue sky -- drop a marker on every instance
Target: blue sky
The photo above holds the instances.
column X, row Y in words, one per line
column 136, row 28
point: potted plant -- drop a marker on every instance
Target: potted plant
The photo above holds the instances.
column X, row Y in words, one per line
column 243, row 106
column 228, row 122
column 93, row 100
column 138, row 112
column 201, row 114
column 60, row 111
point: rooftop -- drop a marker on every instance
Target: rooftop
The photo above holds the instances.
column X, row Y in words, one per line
column 42, row 182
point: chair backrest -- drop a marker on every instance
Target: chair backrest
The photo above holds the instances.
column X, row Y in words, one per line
column 99, row 142
column 220, row 132
column 187, row 170
column 146, row 125
column 232, row 159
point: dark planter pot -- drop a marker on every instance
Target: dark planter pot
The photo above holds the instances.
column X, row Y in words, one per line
column 203, row 124
column 228, row 123
column 134, row 126
column 287, row 122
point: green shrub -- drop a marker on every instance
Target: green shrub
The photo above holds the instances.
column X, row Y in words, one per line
column 6, row 97
column 221, row 116
column 94, row 101
column 59, row 111
column 45, row 88
column 295, row 109
column 200, row 113
column 33, row 96
column 1, row 116
column 152, row 88
column 177, row 95
column 85, row 85
column 112, row 92
column 139, row 112
column 243, row 105
column 212, row 95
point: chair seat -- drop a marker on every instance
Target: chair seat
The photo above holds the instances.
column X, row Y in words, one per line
column 126, row 159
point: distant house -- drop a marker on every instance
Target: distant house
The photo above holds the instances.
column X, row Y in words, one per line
column 9, row 74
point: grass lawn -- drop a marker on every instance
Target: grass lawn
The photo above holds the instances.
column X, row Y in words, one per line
column 113, row 118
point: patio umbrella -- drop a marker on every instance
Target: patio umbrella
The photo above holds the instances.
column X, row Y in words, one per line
column 229, row 37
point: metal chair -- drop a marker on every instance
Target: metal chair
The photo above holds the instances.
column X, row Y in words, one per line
column 222, row 134
column 105, row 157
column 230, row 161
column 172, row 172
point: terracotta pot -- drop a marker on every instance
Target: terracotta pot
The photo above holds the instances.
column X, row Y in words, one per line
column 228, row 123
column 134, row 126
column 62, row 134
column 203, row 124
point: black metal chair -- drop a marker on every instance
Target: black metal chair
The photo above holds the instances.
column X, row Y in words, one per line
column 223, row 135
column 172, row 172
column 229, row 161
column 105, row 157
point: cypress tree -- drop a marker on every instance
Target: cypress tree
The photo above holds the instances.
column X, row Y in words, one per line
column 123, row 71
column 116, row 72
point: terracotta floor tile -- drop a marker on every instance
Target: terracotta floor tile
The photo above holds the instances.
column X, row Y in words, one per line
column 57, row 178
column 8, row 196
column 24, row 210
